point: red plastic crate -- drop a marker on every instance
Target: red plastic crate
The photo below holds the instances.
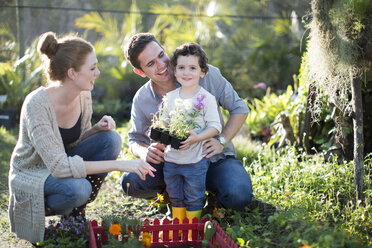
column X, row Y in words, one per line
column 219, row 239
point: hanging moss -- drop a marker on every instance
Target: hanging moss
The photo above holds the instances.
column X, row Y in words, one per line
column 340, row 35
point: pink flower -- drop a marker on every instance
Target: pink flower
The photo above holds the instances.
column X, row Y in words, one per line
column 200, row 105
column 260, row 85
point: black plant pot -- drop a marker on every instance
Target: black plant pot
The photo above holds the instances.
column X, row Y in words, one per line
column 165, row 138
column 176, row 142
column 155, row 133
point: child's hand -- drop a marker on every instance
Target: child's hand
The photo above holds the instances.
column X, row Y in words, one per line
column 192, row 139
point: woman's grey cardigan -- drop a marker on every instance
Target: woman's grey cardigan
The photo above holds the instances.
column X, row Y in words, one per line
column 38, row 153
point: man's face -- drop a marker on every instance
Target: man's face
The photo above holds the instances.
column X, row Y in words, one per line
column 155, row 63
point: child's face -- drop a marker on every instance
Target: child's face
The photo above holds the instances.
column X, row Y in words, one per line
column 188, row 71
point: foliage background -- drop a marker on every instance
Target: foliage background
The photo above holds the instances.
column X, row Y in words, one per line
column 250, row 41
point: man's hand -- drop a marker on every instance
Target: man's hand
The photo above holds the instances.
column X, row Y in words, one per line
column 155, row 153
column 212, row 147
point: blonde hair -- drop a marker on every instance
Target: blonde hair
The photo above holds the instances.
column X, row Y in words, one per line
column 59, row 55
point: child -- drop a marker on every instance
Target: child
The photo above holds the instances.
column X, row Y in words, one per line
column 185, row 169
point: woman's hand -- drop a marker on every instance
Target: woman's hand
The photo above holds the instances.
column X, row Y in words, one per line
column 138, row 166
column 106, row 123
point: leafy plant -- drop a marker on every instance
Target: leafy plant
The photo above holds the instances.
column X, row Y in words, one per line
column 263, row 112
column 157, row 120
column 20, row 77
column 183, row 117
column 70, row 232
column 122, row 231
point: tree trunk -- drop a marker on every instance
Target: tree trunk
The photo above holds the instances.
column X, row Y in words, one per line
column 358, row 135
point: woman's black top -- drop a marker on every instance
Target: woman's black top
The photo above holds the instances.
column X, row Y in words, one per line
column 70, row 135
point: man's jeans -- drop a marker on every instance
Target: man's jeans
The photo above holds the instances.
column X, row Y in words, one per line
column 227, row 179
column 186, row 184
column 64, row 194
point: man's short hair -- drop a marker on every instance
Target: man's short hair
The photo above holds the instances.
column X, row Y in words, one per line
column 136, row 45
column 191, row 49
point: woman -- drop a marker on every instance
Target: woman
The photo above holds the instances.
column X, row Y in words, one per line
column 58, row 149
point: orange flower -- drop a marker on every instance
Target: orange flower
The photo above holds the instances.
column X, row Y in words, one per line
column 115, row 229
column 287, row 194
column 305, row 246
column 146, row 239
column 215, row 211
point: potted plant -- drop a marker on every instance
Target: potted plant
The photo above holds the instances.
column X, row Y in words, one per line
column 178, row 130
column 172, row 128
column 157, row 128
column 182, row 119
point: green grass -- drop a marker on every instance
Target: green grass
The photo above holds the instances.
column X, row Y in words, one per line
column 315, row 199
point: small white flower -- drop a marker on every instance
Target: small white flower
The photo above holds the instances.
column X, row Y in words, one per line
column 178, row 102
column 188, row 105
column 172, row 113
column 165, row 99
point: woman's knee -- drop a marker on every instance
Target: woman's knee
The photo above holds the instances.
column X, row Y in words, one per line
column 113, row 143
column 85, row 189
column 69, row 193
column 80, row 192
column 109, row 145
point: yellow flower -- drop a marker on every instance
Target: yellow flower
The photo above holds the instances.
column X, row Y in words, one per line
column 146, row 239
column 115, row 229
column 160, row 197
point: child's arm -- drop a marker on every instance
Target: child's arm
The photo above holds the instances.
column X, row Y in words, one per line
column 193, row 138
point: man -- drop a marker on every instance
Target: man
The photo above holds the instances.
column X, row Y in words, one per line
column 226, row 176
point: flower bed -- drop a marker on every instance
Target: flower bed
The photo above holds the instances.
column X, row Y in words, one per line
column 204, row 234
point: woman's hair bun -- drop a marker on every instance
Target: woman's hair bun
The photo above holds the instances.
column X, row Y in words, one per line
column 48, row 44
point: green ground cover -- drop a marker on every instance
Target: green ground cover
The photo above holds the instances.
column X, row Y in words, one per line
column 314, row 199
